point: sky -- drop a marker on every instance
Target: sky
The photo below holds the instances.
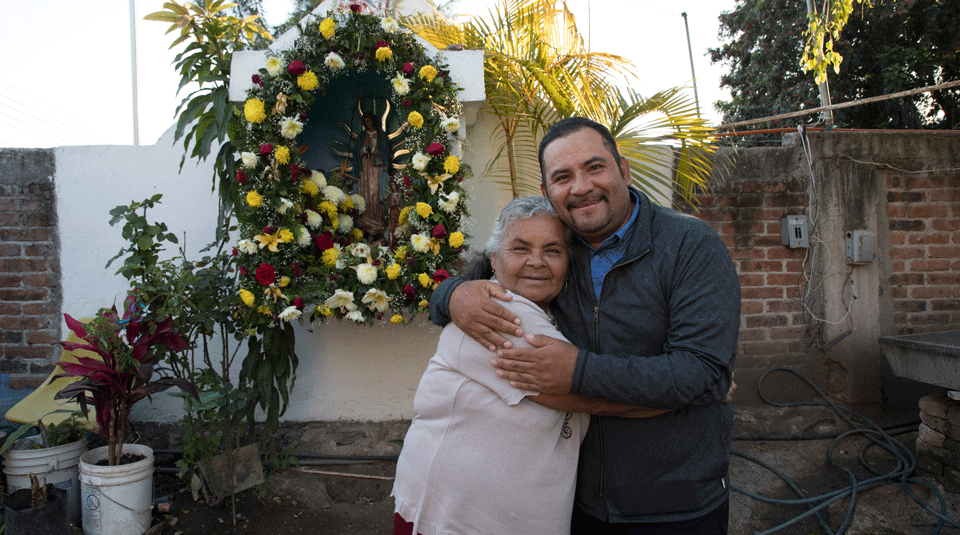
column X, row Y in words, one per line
column 68, row 63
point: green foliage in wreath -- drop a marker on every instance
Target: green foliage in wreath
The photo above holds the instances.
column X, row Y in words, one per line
column 300, row 251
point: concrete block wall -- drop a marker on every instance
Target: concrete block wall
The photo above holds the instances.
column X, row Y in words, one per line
column 30, row 291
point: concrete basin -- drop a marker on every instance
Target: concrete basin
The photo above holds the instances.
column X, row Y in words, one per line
column 932, row 358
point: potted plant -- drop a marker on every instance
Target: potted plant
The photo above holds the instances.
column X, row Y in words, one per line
column 116, row 480
column 52, row 456
column 36, row 510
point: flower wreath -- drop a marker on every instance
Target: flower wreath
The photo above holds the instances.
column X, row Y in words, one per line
column 298, row 244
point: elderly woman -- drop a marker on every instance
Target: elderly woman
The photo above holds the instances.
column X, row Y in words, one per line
column 482, row 457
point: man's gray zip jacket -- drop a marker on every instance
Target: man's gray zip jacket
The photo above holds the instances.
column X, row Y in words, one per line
column 663, row 335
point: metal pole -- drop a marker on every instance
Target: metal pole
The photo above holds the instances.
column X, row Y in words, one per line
column 827, row 116
column 133, row 70
column 696, row 97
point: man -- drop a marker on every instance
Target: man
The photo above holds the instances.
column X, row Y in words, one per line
column 652, row 308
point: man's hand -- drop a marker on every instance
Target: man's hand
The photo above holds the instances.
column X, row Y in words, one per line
column 482, row 318
column 546, row 367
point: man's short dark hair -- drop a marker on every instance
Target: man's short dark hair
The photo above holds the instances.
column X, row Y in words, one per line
column 565, row 127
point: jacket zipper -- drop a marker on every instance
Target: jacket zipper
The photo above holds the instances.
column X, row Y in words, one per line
column 596, row 330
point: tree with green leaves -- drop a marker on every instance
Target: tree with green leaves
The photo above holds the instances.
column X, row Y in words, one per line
column 891, row 47
column 537, row 70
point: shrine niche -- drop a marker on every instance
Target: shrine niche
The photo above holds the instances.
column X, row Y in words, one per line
column 348, row 188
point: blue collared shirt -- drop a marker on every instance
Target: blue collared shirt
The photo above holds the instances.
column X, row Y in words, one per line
column 603, row 258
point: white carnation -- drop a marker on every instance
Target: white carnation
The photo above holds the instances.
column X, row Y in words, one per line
column 247, row 246
column 318, row 179
column 334, row 194
column 333, row 61
column 400, row 85
column 389, row 25
column 421, row 243
column 366, row 273
column 449, row 202
column 356, row 316
column 290, row 127
column 290, row 313
column 249, row 159
column 314, row 219
column 450, row 125
column 273, row 66
column 420, row 161
column 359, row 202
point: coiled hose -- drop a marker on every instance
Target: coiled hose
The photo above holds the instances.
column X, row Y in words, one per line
column 905, row 461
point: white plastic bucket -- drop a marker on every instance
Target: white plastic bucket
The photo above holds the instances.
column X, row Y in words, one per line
column 57, row 465
column 116, row 500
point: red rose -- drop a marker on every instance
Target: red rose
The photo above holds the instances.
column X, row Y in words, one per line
column 266, row 149
column 296, row 67
column 407, row 68
column 408, row 291
column 243, row 270
column 295, row 267
column 303, row 117
column 440, row 275
column 269, row 230
column 382, row 44
column 355, row 8
column 235, row 251
column 439, row 232
column 324, row 242
column 436, row 149
column 266, row 275
column 298, row 302
column 406, row 181
column 407, row 102
column 256, row 79
column 241, row 177
column 294, row 171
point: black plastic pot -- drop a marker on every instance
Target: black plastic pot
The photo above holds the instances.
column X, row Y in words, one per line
column 47, row 519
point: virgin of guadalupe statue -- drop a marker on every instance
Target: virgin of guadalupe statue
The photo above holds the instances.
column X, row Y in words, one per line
column 371, row 165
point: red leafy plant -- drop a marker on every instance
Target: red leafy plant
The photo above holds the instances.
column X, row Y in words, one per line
column 130, row 349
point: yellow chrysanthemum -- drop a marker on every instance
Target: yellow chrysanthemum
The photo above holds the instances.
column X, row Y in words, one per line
column 401, row 254
column 307, row 81
column 428, row 72
column 253, row 110
column 347, row 204
column 330, row 257
column 423, row 304
column 384, row 53
column 402, row 218
column 309, row 187
column 327, row 28
column 415, row 119
column 282, row 154
column 424, row 210
column 451, row 164
column 356, row 234
column 397, row 319
column 329, row 208
column 325, row 310
column 424, row 280
column 285, row 235
column 247, row 297
column 393, row 271
column 456, row 239
column 283, row 282
column 254, row 199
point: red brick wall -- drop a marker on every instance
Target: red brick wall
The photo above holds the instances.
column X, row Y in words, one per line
column 29, row 262
column 924, row 213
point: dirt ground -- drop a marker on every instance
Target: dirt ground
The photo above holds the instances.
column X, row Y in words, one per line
column 300, row 500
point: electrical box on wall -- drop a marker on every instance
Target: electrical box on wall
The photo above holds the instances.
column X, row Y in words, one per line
column 793, row 231
column 860, row 246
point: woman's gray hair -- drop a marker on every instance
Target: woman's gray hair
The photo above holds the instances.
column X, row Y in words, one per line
column 519, row 208
column 516, row 210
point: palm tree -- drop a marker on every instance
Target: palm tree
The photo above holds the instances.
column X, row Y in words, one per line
column 537, row 70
